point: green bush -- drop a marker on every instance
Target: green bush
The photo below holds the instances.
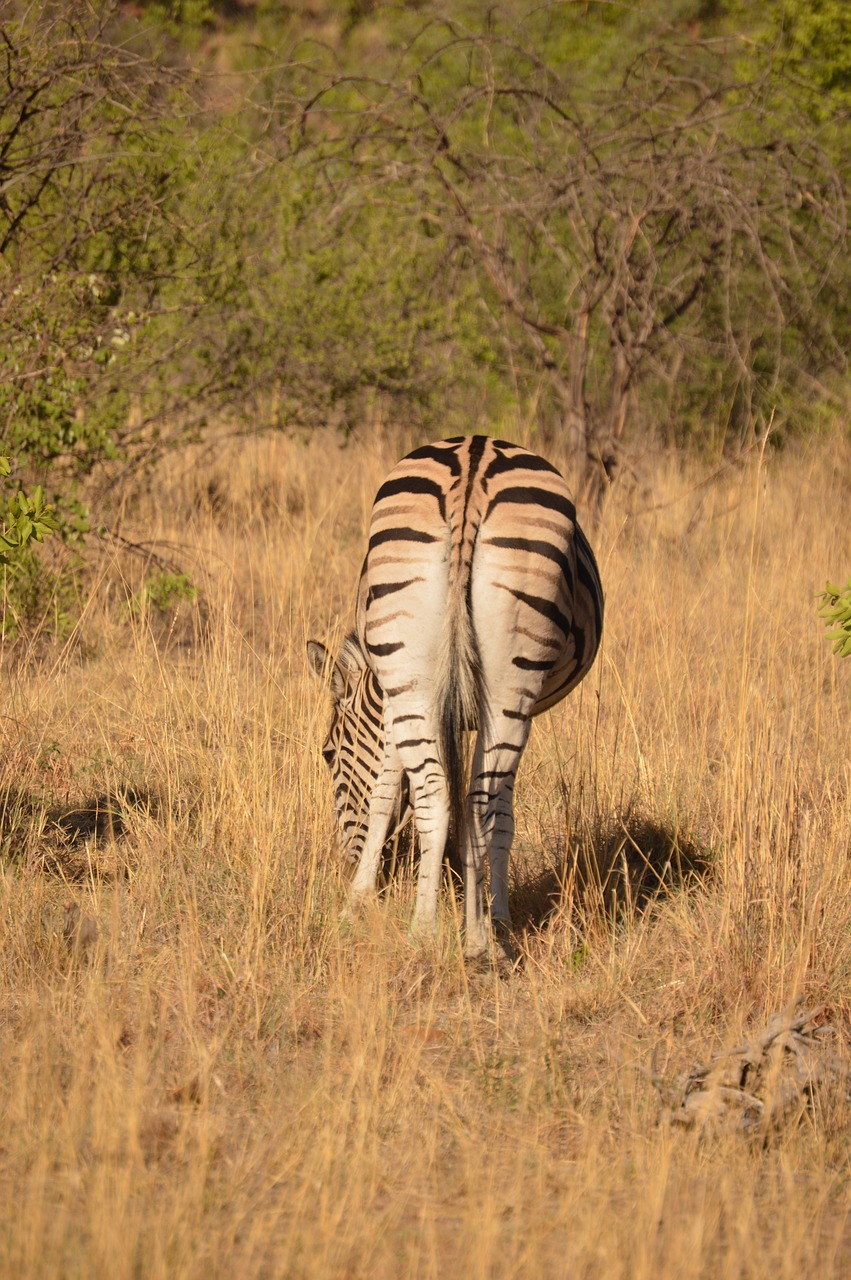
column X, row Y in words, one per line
column 34, row 598
column 835, row 609
column 162, row 592
column 26, row 518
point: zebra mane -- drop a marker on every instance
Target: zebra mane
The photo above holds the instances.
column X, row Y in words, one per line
column 352, row 656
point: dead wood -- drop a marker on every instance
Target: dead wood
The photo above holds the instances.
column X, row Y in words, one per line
column 797, row 1065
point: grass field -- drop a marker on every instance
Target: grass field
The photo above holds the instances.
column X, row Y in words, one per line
column 206, row 1071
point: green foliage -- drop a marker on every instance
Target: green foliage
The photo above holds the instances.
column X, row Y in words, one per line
column 816, row 39
column 35, row 598
column 181, row 16
column 615, row 231
column 38, row 601
column 835, row 609
column 163, row 592
column 26, row 518
column 90, row 245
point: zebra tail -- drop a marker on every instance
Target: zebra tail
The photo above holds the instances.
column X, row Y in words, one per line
column 459, row 702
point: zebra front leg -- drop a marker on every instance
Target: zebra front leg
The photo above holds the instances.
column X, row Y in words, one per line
column 382, row 808
column 431, row 813
column 476, row 922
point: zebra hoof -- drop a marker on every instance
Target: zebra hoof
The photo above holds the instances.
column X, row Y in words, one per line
column 505, row 952
column 355, row 910
column 494, row 942
column 475, row 949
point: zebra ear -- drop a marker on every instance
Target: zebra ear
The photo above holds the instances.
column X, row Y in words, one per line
column 324, row 668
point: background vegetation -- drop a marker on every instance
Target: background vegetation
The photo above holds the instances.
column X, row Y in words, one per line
column 627, row 221
column 251, row 253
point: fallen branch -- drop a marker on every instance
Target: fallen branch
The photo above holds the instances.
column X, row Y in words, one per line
column 797, row 1063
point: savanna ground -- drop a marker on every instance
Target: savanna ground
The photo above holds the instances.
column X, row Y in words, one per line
column 205, row 1071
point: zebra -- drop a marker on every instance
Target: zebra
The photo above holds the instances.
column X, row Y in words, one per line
column 479, row 607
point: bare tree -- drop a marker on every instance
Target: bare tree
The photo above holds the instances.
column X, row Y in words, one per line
column 618, row 235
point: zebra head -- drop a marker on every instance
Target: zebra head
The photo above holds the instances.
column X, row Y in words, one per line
column 354, row 745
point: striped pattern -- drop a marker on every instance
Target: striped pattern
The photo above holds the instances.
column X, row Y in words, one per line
column 354, row 746
column 479, row 607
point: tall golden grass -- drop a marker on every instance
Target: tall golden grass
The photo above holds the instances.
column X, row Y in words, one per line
column 206, row 1071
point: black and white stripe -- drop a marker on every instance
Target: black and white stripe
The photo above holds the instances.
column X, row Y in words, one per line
column 354, row 745
column 479, row 607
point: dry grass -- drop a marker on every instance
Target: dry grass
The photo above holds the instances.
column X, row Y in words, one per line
column 206, row 1073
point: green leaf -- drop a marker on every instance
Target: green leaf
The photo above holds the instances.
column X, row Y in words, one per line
column 835, row 610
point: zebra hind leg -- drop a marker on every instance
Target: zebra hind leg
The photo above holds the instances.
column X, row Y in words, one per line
column 491, row 807
column 476, row 916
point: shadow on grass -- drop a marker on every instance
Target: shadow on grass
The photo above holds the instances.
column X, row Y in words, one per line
column 619, row 869
column 72, row 843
